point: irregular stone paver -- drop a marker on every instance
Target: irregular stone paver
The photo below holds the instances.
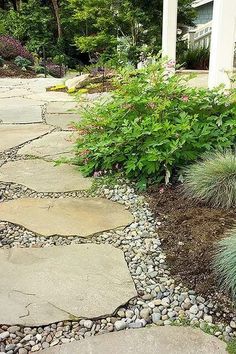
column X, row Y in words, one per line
column 67, row 217
column 44, row 285
column 63, row 121
column 50, row 147
column 43, row 176
column 51, row 96
column 156, row 340
column 61, row 107
column 14, row 135
column 20, row 110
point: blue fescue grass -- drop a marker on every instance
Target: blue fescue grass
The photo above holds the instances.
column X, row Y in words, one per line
column 213, row 180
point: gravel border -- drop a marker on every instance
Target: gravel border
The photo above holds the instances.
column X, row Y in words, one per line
column 160, row 300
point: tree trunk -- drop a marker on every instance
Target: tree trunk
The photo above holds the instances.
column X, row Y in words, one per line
column 57, row 17
column 2, row 4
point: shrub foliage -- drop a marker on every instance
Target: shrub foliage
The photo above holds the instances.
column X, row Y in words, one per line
column 10, row 48
column 195, row 58
column 213, row 180
column 153, row 126
column 225, row 263
column 22, row 62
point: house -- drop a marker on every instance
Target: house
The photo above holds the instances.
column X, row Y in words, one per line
column 221, row 34
column 204, row 10
column 200, row 35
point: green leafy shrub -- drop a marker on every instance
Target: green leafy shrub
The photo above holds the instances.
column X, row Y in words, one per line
column 195, row 58
column 153, row 126
column 23, row 63
column 10, row 48
column 225, row 262
column 213, row 180
column 55, row 70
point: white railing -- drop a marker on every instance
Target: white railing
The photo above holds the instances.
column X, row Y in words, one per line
column 199, row 36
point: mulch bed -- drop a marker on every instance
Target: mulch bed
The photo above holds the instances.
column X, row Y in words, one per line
column 189, row 235
column 13, row 70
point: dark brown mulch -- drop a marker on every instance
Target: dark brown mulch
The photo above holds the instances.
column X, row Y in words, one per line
column 189, row 235
column 13, row 70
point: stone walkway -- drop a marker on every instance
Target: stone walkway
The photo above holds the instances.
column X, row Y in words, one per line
column 74, row 265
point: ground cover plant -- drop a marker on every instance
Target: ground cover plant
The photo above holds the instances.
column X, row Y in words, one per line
column 213, row 180
column 23, row 63
column 153, row 126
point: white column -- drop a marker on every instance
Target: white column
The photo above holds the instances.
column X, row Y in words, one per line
column 222, row 42
column 169, row 29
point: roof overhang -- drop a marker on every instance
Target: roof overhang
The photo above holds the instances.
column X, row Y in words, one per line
column 198, row 3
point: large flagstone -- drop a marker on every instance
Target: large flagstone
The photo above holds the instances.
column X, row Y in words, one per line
column 51, row 96
column 66, row 217
column 63, row 120
column 155, row 340
column 43, row 176
column 20, row 110
column 44, row 285
column 50, row 147
column 14, row 135
column 62, row 107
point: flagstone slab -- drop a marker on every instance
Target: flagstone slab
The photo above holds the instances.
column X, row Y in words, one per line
column 62, row 107
column 51, row 96
column 67, row 217
column 51, row 147
column 43, row 176
column 13, row 135
column 63, row 120
column 40, row 286
column 20, row 110
column 155, row 340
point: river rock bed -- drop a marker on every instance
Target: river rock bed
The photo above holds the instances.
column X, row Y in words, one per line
column 160, row 300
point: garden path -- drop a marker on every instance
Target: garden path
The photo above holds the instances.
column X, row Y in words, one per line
column 46, row 282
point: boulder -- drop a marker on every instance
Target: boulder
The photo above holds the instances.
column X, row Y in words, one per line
column 77, row 82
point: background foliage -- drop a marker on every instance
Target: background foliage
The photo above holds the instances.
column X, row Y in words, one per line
column 85, row 29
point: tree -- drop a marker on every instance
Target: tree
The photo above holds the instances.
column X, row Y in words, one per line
column 138, row 23
column 57, row 17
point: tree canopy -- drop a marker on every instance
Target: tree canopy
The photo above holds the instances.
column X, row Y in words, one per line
column 92, row 27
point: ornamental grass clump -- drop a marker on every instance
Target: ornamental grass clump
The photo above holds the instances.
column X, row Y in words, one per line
column 213, row 180
column 225, row 263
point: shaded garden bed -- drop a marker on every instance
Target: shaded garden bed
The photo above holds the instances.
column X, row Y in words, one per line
column 189, row 234
column 12, row 70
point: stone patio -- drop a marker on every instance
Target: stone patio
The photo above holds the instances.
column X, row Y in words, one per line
column 65, row 255
column 41, row 286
